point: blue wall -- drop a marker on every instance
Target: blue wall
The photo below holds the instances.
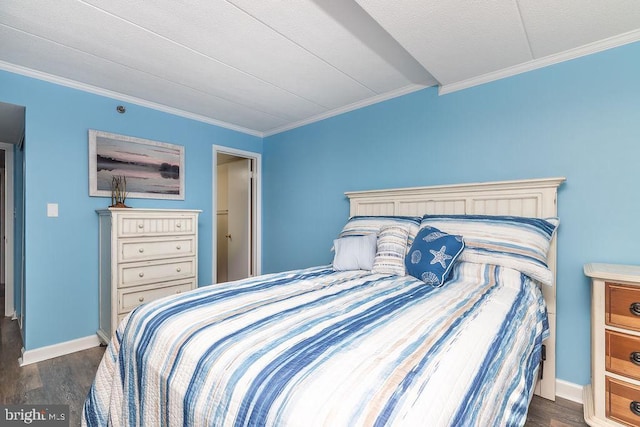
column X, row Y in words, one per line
column 61, row 268
column 579, row 119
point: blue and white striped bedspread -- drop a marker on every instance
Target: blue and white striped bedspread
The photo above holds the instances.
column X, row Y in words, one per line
column 316, row 347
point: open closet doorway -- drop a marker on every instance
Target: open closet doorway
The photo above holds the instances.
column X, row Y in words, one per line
column 6, row 228
column 236, row 209
column 12, row 130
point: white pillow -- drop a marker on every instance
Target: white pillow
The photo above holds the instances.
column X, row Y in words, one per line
column 355, row 252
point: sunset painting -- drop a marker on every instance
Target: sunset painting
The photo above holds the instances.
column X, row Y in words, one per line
column 152, row 169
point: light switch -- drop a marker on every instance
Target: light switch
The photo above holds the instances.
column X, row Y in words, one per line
column 52, row 209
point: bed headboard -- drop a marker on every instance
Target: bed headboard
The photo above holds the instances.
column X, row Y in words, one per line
column 530, row 197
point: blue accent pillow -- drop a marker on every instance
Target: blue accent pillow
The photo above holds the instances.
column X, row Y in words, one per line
column 432, row 255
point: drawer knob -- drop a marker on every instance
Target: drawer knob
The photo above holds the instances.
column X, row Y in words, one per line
column 635, row 357
column 635, row 407
column 178, row 225
column 178, row 269
column 141, row 299
column 634, row 308
column 178, row 291
column 141, row 250
column 140, row 225
column 178, row 247
column 141, row 274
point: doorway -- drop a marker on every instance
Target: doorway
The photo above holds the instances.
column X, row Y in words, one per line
column 12, row 129
column 6, row 228
column 236, row 212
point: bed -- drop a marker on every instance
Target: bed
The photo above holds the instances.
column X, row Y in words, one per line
column 357, row 347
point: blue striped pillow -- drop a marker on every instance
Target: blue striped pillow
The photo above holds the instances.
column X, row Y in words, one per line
column 361, row 225
column 516, row 242
column 391, row 249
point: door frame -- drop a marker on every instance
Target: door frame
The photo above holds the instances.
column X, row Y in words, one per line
column 8, row 243
column 256, row 206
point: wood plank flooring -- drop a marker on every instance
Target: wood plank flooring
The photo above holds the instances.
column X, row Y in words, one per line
column 63, row 380
column 66, row 380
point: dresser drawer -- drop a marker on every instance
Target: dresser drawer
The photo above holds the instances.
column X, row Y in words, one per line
column 120, row 317
column 130, row 298
column 622, row 306
column 154, row 248
column 156, row 225
column 622, row 401
column 622, row 354
column 159, row 271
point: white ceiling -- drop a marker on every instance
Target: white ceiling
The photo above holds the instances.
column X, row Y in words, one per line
column 264, row 66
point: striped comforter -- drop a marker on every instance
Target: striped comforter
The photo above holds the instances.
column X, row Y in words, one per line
column 316, row 347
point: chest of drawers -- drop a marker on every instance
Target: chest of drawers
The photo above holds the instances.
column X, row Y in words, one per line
column 613, row 397
column 145, row 254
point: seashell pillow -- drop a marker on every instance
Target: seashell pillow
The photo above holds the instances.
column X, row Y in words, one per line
column 432, row 255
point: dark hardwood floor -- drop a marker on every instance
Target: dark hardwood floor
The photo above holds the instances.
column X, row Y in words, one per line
column 66, row 380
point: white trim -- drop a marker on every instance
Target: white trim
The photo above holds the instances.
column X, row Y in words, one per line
column 257, row 220
column 56, row 350
column 356, row 105
column 9, row 218
column 569, row 391
column 121, row 97
column 588, row 49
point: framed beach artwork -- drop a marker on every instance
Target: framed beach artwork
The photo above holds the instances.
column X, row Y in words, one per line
column 153, row 170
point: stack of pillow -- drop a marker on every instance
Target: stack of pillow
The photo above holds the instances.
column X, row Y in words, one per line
column 428, row 247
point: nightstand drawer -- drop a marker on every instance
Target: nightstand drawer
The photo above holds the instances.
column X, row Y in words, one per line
column 141, row 249
column 622, row 401
column 622, row 306
column 622, row 354
column 130, row 298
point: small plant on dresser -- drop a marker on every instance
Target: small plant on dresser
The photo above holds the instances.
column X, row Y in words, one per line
column 118, row 192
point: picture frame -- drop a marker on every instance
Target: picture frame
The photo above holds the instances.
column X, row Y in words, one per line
column 152, row 169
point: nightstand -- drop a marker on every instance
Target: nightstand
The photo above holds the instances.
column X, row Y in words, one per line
column 613, row 397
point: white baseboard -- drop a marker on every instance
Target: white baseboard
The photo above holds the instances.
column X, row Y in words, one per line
column 56, row 350
column 569, row 391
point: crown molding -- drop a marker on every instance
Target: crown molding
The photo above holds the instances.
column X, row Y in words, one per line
column 28, row 72
column 595, row 47
column 356, row 105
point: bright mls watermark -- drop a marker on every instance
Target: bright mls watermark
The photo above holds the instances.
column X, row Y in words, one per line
column 36, row 415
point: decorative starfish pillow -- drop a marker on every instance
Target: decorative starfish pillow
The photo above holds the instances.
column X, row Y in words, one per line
column 432, row 255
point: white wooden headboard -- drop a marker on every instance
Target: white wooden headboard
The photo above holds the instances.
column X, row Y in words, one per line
column 530, row 198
